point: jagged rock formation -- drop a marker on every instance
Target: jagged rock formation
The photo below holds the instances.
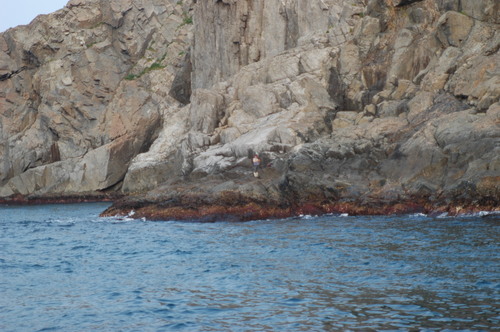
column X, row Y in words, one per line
column 84, row 90
column 362, row 106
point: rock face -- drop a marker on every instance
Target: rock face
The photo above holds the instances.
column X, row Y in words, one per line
column 84, row 90
column 355, row 106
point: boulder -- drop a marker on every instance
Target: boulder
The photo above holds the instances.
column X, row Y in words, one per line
column 454, row 28
column 206, row 110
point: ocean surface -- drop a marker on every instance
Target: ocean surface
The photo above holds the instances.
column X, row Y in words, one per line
column 63, row 268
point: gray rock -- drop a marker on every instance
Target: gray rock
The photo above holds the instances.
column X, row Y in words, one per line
column 346, row 101
column 454, row 28
column 71, row 94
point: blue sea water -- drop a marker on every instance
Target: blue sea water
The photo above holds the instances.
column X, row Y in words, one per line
column 63, row 268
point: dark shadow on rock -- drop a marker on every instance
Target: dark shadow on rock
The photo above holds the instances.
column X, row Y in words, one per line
column 181, row 86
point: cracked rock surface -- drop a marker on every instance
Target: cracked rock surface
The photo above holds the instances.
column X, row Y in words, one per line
column 355, row 106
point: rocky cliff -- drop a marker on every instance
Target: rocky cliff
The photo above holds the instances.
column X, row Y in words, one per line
column 355, row 106
column 84, row 90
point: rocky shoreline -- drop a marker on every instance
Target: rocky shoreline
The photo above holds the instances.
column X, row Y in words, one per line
column 40, row 200
column 261, row 199
column 197, row 209
column 157, row 212
column 192, row 205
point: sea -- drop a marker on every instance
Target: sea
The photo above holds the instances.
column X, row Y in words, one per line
column 64, row 268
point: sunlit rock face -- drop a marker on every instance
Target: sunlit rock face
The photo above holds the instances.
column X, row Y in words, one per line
column 373, row 102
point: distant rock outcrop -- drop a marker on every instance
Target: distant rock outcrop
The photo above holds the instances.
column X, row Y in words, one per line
column 357, row 106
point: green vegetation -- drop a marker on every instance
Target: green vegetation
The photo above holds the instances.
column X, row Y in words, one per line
column 186, row 19
column 131, row 77
column 155, row 66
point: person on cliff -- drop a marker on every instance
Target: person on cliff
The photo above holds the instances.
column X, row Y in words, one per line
column 256, row 164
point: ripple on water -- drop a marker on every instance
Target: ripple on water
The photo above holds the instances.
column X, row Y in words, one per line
column 303, row 274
